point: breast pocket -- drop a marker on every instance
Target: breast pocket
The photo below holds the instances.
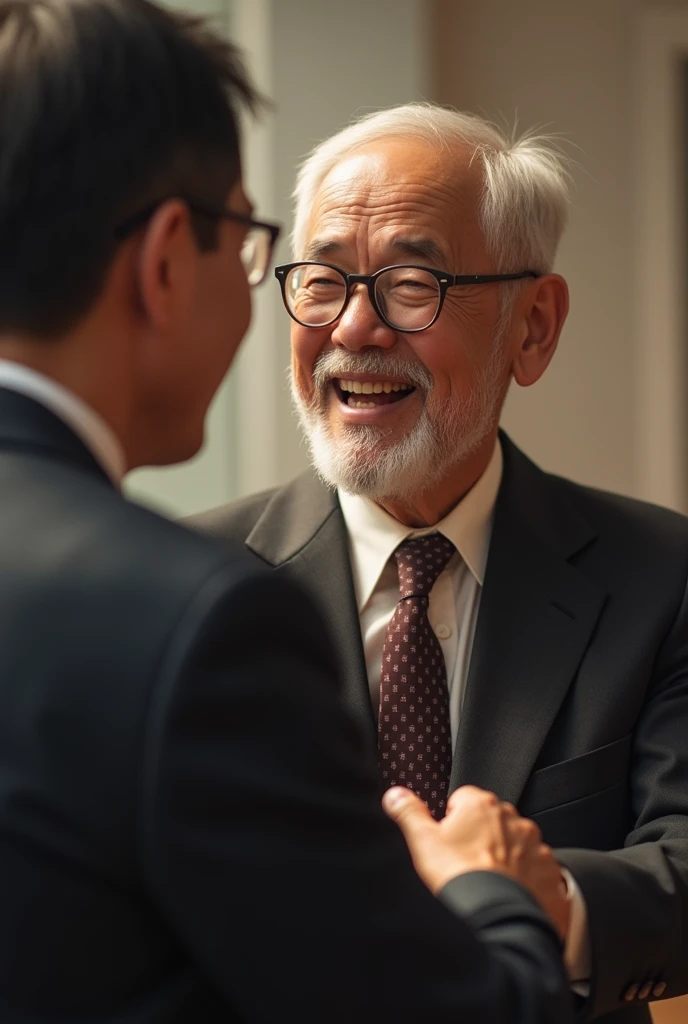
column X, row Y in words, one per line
column 578, row 778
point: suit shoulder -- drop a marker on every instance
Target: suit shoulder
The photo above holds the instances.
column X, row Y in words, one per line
column 609, row 511
column 125, row 547
column 127, row 563
column 178, row 555
column 286, row 515
column 233, row 521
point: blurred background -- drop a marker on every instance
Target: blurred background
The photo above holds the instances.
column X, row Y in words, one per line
column 610, row 78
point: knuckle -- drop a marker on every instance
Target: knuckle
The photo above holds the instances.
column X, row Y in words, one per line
column 526, row 830
column 477, row 796
column 532, row 831
column 468, row 791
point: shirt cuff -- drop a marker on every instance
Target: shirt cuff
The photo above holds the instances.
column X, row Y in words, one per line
column 577, row 946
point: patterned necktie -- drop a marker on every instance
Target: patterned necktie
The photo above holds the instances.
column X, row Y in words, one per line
column 414, row 737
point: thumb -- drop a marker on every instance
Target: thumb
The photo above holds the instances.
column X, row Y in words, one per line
column 407, row 810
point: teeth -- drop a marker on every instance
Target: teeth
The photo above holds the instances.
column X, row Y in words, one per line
column 370, row 387
column 362, row 405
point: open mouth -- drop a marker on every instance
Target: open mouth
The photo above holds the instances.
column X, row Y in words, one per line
column 368, row 394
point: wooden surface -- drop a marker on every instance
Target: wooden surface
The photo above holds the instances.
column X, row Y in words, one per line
column 673, row 1011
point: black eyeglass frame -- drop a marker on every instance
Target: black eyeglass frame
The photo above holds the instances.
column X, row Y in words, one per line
column 443, row 279
column 198, row 206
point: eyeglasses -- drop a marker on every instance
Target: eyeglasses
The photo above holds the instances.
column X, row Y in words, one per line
column 406, row 298
column 257, row 247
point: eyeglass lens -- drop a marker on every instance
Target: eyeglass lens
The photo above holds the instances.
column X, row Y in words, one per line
column 255, row 254
column 407, row 297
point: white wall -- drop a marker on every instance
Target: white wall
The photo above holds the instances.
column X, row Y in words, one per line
column 572, row 68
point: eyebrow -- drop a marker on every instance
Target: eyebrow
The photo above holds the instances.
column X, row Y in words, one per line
column 423, row 247
column 319, row 248
column 413, row 248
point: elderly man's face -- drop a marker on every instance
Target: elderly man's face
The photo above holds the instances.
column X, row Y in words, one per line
column 389, row 203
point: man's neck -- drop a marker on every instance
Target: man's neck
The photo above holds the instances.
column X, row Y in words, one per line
column 429, row 507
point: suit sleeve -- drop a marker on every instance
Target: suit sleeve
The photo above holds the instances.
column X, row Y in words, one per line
column 637, row 897
column 266, row 849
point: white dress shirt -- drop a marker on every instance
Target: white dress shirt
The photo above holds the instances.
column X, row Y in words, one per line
column 89, row 427
column 455, row 598
column 373, row 536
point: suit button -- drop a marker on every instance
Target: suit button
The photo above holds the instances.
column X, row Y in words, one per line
column 645, row 990
column 659, row 989
column 631, row 992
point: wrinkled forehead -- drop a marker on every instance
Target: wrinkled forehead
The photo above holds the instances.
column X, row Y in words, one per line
column 400, row 200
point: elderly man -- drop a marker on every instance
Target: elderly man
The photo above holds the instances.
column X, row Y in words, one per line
column 499, row 626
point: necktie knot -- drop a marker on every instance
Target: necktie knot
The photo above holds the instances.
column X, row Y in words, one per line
column 420, row 560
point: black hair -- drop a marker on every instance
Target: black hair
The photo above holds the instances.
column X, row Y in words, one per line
column 106, row 107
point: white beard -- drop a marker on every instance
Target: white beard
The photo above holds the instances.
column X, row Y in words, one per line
column 360, row 460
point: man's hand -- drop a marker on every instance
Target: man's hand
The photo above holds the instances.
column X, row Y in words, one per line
column 480, row 833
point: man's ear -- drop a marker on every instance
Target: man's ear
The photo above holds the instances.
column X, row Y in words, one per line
column 540, row 319
column 167, row 264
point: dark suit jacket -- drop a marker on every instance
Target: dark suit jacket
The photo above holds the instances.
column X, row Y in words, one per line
column 189, row 823
column 576, row 706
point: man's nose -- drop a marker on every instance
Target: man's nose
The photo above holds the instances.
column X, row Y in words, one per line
column 359, row 326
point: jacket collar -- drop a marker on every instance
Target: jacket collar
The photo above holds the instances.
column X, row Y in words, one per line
column 27, row 426
column 297, row 512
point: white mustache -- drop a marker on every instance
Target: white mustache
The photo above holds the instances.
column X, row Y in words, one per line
column 340, row 364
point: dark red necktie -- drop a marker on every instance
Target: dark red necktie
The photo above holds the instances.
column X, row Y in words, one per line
column 414, row 736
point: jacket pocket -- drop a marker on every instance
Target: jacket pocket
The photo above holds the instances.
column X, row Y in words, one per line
column 576, row 778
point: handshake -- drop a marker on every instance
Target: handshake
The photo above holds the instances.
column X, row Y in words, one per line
column 480, row 833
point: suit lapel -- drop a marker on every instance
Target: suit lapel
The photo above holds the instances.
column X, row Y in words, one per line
column 536, row 617
column 301, row 532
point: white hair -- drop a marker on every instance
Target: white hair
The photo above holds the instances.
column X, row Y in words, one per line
column 524, row 205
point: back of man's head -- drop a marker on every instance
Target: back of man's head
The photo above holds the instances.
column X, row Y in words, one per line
column 106, row 108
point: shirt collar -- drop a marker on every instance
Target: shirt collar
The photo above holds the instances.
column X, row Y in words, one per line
column 374, row 534
column 90, row 428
